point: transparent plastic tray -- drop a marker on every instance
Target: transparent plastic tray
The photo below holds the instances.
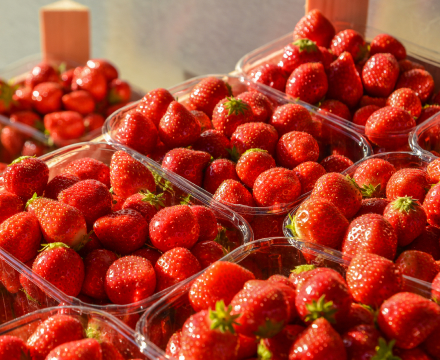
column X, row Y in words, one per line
column 426, row 136
column 116, row 332
column 57, row 160
column 264, row 258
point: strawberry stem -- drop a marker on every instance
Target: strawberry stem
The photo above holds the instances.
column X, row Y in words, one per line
column 269, row 329
column 303, row 268
column 384, row 351
column 369, row 190
column 320, row 308
column 20, row 159
column 155, row 200
column 222, row 319
column 53, row 246
column 235, row 106
column 306, row 44
column 263, row 352
column 31, row 200
column 234, row 154
column 405, row 204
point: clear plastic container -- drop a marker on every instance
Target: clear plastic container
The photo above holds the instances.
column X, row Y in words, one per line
column 426, row 137
column 264, row 258
column 57, row 160
column 332, row 133
column 113, row 331
column 273, row 51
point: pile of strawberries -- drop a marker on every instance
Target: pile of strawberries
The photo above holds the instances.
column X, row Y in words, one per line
column 64, row 104
column 105, row 234
column 373, row 86
column 313, row 314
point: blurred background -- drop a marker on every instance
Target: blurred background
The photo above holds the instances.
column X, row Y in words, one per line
column 159, row 43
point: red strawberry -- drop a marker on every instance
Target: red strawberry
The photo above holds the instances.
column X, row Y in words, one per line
column 384, row 43
column 187, row 163
column 327, row 57
column 145, row 203
column 80, row 101
column 105, row 67
column 358, row 315
column 10, row 204
column 408, row 182
column 207, row 222
column 427, row 112
column 336, row 163
column 217, row 172
column 58, row 184
column 335, row 107
column 207, row 252
column 316, row 27
column 279, row 345
column 203, row 120
column 373, row 206
column 149, row 253
column 12, row 140
column 178, row 127
column 66, row 79
column 130, row 279
column 254, row 135
column 361, row 116
column 361, row 342
column 420, row 81
column 41, row 73
column 92, row 80
column 275, row 187
column 33, row 148
column 370, row 233
column 214, row 143
column 174, row 266
column 368, row 100
column 417, row 264
column 46, row 97
column 372, row 176
column 259, row 103
column 128, row 176
column 252, row 163
column 344, row 83
column 299, row 52
column 26, row 176
column 428, row 241
column 270, row 75
column 154, row 104
column 65, row 125
column 229, row 113
column 291, row 117
column 207, row 94
column 13, row 348
column 93, row 122
column 123, row 231
column 308, row 173
column 21, row 99
column 119, row 91
column 110, row 351
column 231, row 192
column 406, row 99
column 308, row 82
column 430, row 205
column 88, row 168
column 27, row 117
column 295, row 148
column 86, row 349
column 350, row 41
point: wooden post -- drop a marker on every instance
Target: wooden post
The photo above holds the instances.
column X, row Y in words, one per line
column 65, row 32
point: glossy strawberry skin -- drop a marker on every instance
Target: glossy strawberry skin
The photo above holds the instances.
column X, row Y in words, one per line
column 361, row 116
column 360, row 342
column 154, row 104
column 207, row 252
column 140, row 203
column 214, row 143
column 92, row 80
column 109, row 70
column 227, row 120
column 336, row 163
column 260, row 104
column 87, row 349
column 376, row 173
column 295, row 148
column 316, row 27
column 255, row 135
column 350, row 41
column 41, row 73
column 206, row 95
column 270, row 75
column 373, row 206
column 58, row 184
column 233, row 192
column 80, row 101
column 149, row 253
column 251, row 164
column 294, row 55
column 66, row 125
column 384, row 43
column 88, row 168
column 417, row 264
column 408, row 182
column 217, row 172
column 12, row 348
column 308, row 173
column 203, row 120
column 335, row 107
column 379, row 74
column 119, row 91
column 290, row 117
column 26, row 117
column 207, row 222
column 46, row 97
column 10, row 204
column 420, row 81
column 428, row 242
column 406, row 99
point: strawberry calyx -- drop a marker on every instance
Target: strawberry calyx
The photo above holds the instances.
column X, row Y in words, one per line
column 221, row 318
column 234, row 154
column 113, row 97
column 384, row 351
column 369, row 190
column 85, row 239
column 269, row 329
column 263, row 352
column 52, row 246
column 303, row 268
column 321, row 308
column 254, row 150
column 353, row 182
column 20, row 159
column 223, row 240
column 229, row 87
column 307, row 45
column 92, row 332
column 165, row 185
column 235, row 106
column 291, row 227
column 185, row 199
column 153, row 199
column 405, row 204
column 32, row 199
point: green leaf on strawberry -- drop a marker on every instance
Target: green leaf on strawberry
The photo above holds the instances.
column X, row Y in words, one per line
column 384, row 351
column 236, row 106
column 263, row 352
column 291, row 227
column 306, row 45
column 269, row 329
column 155, row 200
column 320, row 308
column 303, row 268
column 222, row 319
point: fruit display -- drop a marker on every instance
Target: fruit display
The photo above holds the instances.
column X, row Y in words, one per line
column 96, row 225
column 274, row 299
column 44, row 106
column 69, row 333
column 249, row 148
column 370, row 81
column 426, row 137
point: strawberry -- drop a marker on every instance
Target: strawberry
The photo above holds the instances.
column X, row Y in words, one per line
column 10, row 204
column 321, row 342
column 46, row 97
column 308, row 173
column 217, row 172
column 229, row 113
column 88, row 168
column 12, row 140
column 207, row 94
column 66, row 79
column 207, row 252
column 319, row 221
column 384, row 122
column 430, row 204
column 361, row 115
column 270, row 75
column 336, row 163
column 92, row 80
column 417, row 264
column 370, row 233
column 427, row 112
column 384, row 43
column 80, row 101
column 105, row 67
column 295, row 148
column 344, row 83
column 145, row 203
column 55, row 330
column 123, row 231
column 406, row 99
column 349, row 41
column 154, row 104
column 27, row 117
column 33, row 148
column 110, row 351
column 428, row 241
column 290, row 117
column 260, row 104
column 119, row 91
column 254, row 135
column 21, row 99
column 93, row 122
column 278, row 346
column 372, row 176
column 96, row 265
column 187, row 163
column 408, row 182
column 173, row 345
column 203, row 120
column 128, row 176
column 207, row 222
column 130, row 279
column 26, row 176
column 149, row 253
column 174, row 226
column 308, row 82
column 13, row 348
column 137, row 132
column 316, row 27
column 411, row 354
column 64, row 125
column 86, row 349
column 361, row 341
column 214, row 143
column 372, row 279
column 335, row 107
column 275, row 187
column 358, row 315
column 299, row 52
column 408, row 318
column 58, row 184
column 41, row 73
column 372, row 206
column 252, row 163
column 368, row 100
column 174, row 266
column 178, row 127
column 420, row 81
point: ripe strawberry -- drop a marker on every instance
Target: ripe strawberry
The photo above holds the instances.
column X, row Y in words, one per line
column 427, row 112
column 370, row 233
column 408, row 318
column 408, row 182
column 295, row 148
column 299, row 52
column 64, row 125
column 10, row 204
column 214, row 143
column 128, row 176
column 187, row 163
column 430, row 204
column 93, row 122
column 319, row 221
column 21, row 99
column 252, row 163
column 80, row 101
column 361, row 116
column 428, row 241
column 254, row 135
column 344, row 83
column 92, row 80
column 123, row 231
column 57, row 329
column 33, row 148
column 207, row 252
column 13, row 348
column 178, row 127
column 291, row 117
column 154, row 104
column 350, row 41
column 58, row 184
column 368, row 100
column 270, row 75
column 207, row 94
column 336, row 163
column 66, row 79
column 86, row 349
column 384, row 43
column 174, row 266
column 203, row 120
column 41, row 73
column 217, row 172
column 149, row 253
column 308, row 173
column 384, row 122
column 26, row 176
column 420, row 81
column 358, row 315
column 372, row 206
column 119, row 91
column 335, row 107
column 12, row 140
column 406, row 65
column 105, row 67
column 130, row 279
column 207, row 222
column 361, row 342
column 275, row 187
column 137, row 132
column 406, row 99
column 229, row 113
column 372, row 176
column 417, row 264
column 279, row 345
column 316, row 27
column 27, row 117
column 145, row 203
column 260, row 104
column 46, row 97
column 308, row 82
column 88, row 168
